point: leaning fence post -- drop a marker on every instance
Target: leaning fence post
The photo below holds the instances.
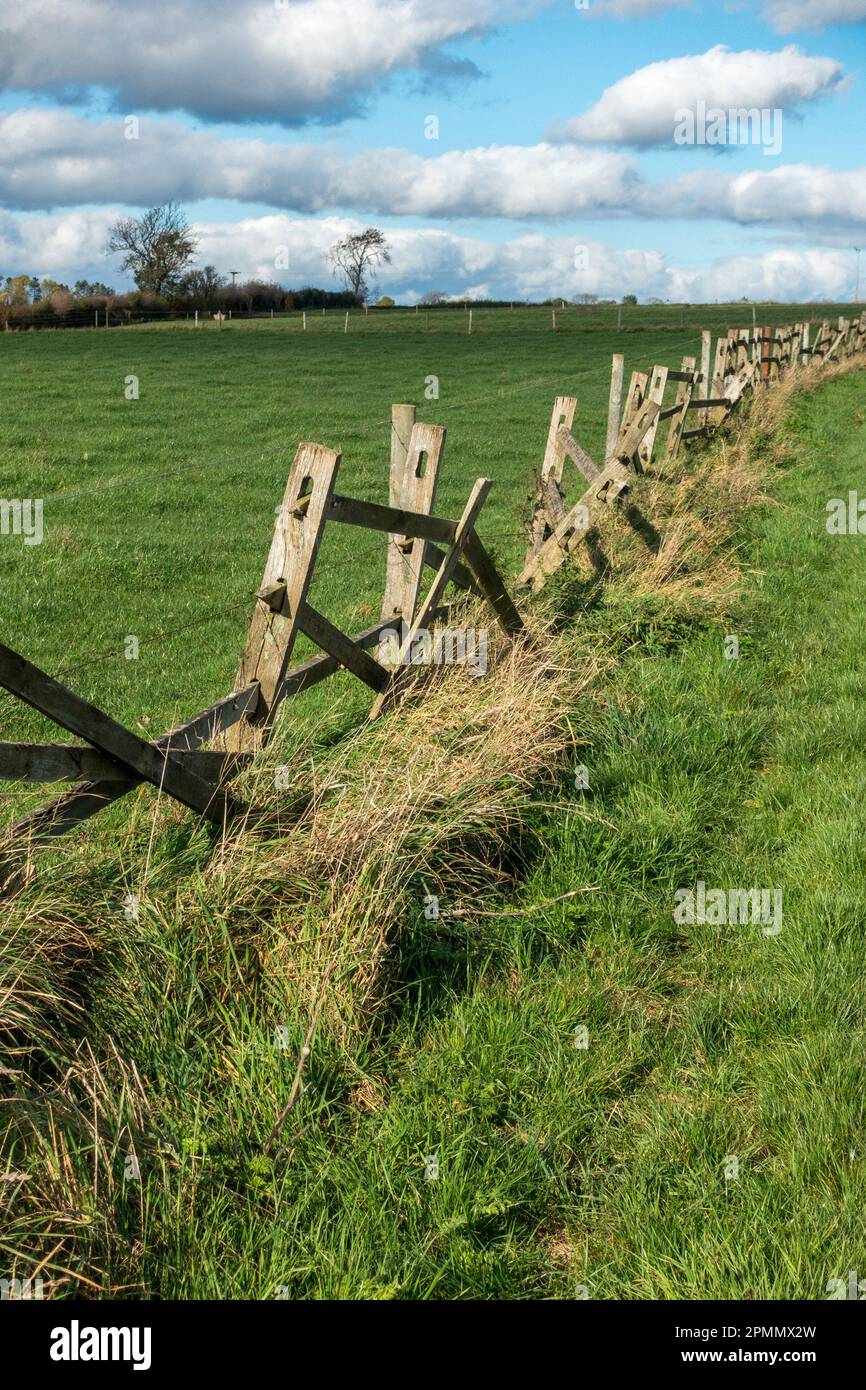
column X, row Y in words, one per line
column 402, row 423
column 658, row 384
column 276, row 618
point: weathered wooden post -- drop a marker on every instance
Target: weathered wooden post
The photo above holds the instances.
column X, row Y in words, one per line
column 614, row 404
column 706, row 342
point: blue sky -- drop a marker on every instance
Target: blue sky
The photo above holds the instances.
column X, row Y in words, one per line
column 280, row 124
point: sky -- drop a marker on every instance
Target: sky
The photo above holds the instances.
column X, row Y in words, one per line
column 520, row 149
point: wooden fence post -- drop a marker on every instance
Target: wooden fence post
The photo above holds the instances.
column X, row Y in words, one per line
column 658, row 384
column 450, row 561
column 412, row 488
column 635, row 398
column 402, row 423
column 719, row 367
column 275, row 622
column 766, row 351
column 678, row 421
column 614, row 404
column 551, row 471
column 706, row 385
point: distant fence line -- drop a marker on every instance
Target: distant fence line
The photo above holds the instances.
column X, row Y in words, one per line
column 745, row 360
column 626, row 316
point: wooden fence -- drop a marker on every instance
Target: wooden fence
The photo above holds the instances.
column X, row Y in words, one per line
column 113, row 760
column 744, row 360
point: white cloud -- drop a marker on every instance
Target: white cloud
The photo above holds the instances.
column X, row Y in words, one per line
column 55, row 244
column 795, row 275
column 68, row 245
column 282, row 60
column 54, row 158
column 791, row 16
column 802, row 195
column 640, row 109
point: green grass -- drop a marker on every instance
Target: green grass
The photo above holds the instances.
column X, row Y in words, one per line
column 560, row 1169
column 158, row 512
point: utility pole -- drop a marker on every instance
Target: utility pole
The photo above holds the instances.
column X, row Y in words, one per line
column 233, row 274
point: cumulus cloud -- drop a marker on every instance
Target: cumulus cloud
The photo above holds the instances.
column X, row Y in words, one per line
column 796, row 276
column 290, row 61
column 791, row 16
column 640, row 110
column 53, row 159
column 535, row 266
column 796, row 194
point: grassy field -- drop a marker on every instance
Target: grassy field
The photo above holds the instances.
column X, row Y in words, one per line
column 560, row 1171
column 158, row 511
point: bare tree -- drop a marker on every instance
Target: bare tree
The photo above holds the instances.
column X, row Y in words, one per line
column 156, row 247
column 355, row 256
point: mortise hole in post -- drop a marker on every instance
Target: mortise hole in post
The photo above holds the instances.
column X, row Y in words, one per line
column 306, row 488
column 421, row 465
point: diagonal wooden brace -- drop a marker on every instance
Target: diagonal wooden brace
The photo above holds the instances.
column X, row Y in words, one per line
column 70, row 762
column 79, row 717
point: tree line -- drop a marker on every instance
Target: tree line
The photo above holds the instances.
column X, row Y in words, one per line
column 158, row 250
